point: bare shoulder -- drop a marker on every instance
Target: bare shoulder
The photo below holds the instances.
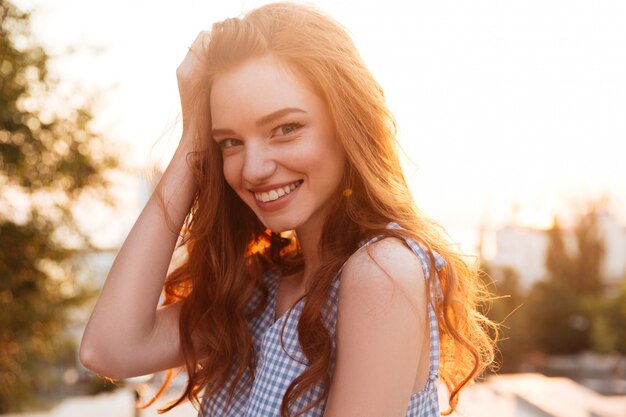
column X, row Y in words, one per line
column 381, row 279
column 384, row 265
column 381, row 331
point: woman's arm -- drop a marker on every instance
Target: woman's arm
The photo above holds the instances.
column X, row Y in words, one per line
column 127, row 334
column 381, row 327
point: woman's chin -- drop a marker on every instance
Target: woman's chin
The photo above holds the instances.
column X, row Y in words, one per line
column 278, row 227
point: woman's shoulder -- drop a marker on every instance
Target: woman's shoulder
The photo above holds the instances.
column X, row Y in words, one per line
column 378, row 269
column 381, row 313
column 383, row 258
column 387, row 262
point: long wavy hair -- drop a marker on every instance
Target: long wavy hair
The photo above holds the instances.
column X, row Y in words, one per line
column 227, row 249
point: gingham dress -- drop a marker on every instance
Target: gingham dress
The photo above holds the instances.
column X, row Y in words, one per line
column 277, row 368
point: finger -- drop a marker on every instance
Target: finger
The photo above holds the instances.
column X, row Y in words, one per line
column 198, row 47
column 193, row 52
column 202, row 39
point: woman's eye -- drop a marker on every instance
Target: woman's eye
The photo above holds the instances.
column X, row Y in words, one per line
column 288, row 128
column 228, row 143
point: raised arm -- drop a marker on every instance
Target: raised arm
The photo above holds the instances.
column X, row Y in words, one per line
column 128, row 334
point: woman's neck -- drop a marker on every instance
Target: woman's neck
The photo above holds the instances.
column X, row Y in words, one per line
column 309, row 241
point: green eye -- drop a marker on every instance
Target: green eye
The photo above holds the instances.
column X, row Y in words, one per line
column 229, row 143
column 288, row 128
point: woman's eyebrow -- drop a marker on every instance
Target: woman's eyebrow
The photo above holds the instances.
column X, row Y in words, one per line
column 277, row 115
column 222, row 132
column 262, row 121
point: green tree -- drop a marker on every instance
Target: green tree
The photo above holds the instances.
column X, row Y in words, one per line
column 582, row 270
column 617, row 317
column 587, row 274
column 558, row 261
column 556, row 321
column 50, row 158
column 566, row 312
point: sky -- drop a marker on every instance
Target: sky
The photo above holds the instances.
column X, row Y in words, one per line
column 508, row 111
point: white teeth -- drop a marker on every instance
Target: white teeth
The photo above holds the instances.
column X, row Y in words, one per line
column 277, row 193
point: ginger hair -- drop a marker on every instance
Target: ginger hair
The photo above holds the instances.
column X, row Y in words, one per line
column 228, row 249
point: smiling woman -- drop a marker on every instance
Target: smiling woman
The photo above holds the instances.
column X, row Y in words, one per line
column 312, row 285
column 292, row 150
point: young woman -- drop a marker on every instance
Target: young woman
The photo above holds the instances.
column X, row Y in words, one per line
column 309, row 284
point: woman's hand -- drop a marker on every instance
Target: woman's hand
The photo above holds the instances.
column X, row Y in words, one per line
column 192, row 83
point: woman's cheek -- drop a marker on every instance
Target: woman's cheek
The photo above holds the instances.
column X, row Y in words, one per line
column 230, row 173
column 303, row 153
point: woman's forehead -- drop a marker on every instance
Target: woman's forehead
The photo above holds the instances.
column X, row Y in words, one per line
column 257, row 87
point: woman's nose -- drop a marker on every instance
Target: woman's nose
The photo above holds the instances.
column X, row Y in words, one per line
column 259, row 165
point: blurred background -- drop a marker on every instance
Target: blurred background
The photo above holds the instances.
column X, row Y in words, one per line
column 511, row 120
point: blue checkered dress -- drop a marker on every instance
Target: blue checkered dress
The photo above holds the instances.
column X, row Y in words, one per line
column 277, row 368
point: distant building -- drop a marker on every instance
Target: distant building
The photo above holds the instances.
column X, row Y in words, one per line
column 524, row 249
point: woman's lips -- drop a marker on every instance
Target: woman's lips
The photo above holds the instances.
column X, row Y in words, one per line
column 276, row 198
column 276, row 192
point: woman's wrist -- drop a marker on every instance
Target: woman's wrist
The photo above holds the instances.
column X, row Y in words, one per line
column 187, row 141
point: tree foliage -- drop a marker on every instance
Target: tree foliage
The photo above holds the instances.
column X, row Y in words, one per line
column 566, row 309
column 616, row 314
column 557, row 322
column 579, row 269
column 50, row 158
column 587, row 275
column 566, row 312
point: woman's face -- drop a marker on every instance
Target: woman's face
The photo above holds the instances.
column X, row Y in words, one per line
column 278, row 141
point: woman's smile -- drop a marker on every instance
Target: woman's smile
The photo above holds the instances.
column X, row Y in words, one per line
column 274, row 192
column 277, row 198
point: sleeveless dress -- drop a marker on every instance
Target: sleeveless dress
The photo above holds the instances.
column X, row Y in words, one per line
column 277, row 368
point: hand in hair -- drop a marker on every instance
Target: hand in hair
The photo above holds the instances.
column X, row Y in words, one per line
column 190, row 74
